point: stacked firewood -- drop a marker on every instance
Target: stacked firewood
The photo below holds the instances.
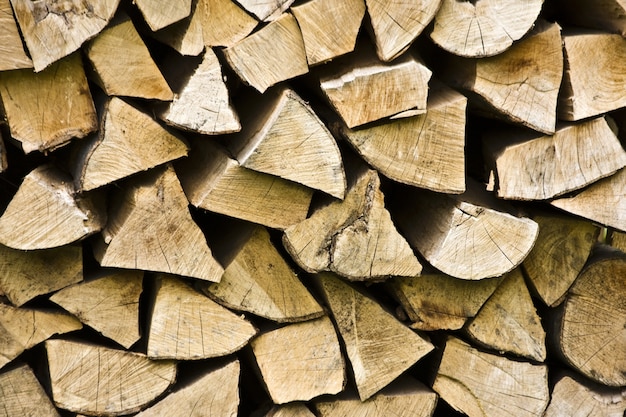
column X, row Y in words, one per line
column 313, row 208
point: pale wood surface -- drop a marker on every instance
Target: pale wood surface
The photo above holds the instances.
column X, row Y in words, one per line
column 22, row 395
column 185, row 36
column 161, row 13
column 224, row 23
column 295, row 409
column 618, row 240
column 12, row 54
column 265, row 10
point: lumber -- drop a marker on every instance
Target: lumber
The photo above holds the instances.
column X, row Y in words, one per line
column 224, row 23
column 12, row 53
column 161, row 13
column 265, row 11
column 22, row 395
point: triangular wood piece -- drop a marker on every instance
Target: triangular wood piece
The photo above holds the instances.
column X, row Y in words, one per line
column 264, row 10
column 53, row 30
column 109, row 304
column 287, row 139
column 295, row 409
column 150, row 228
column 161, row 13
column 12, row 54
column 185, row 324
column 184, row 36
column 224, row 23
column 618, row 240
column 59, row 97
column 45, row 212
column 23, row 328
column 136, row 75
column 95, row 380
column 379, row 347
column 355, row 238
column 26, row 275
column 129, row 141
column 22, row 395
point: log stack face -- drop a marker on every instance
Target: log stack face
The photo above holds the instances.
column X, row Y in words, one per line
column 313, row 208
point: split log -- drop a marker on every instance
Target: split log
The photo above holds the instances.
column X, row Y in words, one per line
column 26, row 275
column 224, row 23
column 605, row 15
column 45, row 212
column 379, row 347
column 618, row 240
column 12, row 54
column 4, row 162
column 95, row 380
column 215, row 182
column 274, row 53
column 482, row 384
column 161, row 13
column 150, row 228
column 108, row 304
column 290, row 410
column 483, row 28
column 59, row 97
column 297, row 371
column 53, row 30
column 184, row 36
column 22, row 395
column 264, row 10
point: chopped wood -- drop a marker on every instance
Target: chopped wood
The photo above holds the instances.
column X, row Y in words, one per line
column 161, row 13
column 12, row 54
column 290, row 410
column 483, row 28
column 605, row 15
column 108, row 304
column 150, row 228
column 60, row 98
column 379, row 347
column 46, row 213
column 618, row 240
column 96, row 380
column 274, row 53
column 300, row 361
column 264, row 10
column 224, row 23
column 53, row 30
column 482, row 384
column 184, row 36
column 22, row 395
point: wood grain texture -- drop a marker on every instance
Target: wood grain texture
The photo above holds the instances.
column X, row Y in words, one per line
column 12, row 51
column 161, row 13
column 22, row 395
column 224, row 23
column 265, row 10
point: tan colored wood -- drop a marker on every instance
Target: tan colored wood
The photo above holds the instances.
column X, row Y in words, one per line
column 22, row 395
column 108, row 304
column 562, row 248
column 483, row 28
column 379, row 347
column 265, row 10
column 215, row 182
column 96, row 380
column 53, row 30
column 224, row 23
column 606, row 15
column 23, row 328
column 284, row 137
column 618, row 240
column 355, row 238
column 260, row 281
column 349, row 88
column 45, row 212
column 60, row 99
column 184, row 36
column 128, row 141
column 482, row 384
column 4, row 162
column 136, row 75
column 426, row 151
column 150, row 228
column 12, row 54
column 26, row 275
column 290, row 410
column 300, row 361
column 185, row 324
column 329, row 28
column 161, row 13
column 440, row 302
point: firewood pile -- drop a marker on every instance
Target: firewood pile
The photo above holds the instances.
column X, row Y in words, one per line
column 313, row 208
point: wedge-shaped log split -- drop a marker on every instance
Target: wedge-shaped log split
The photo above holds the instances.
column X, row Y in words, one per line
column 573, row 396
column 161, row 13
column 22, row 395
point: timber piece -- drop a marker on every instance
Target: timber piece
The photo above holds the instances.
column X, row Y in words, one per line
column 23, row 328
column 150, row 228
column 605, row 15
column 520, row 84
column 95, row 380
column 134, row 76
column 562, row 248
column 224, row 23
column 482, row 384
column 108, row 304
column 58, row 96
column 591, row 75
column 185, row 324
column 467, row 236
column 216, row 393
column 53, row 30
column 483, row 28
column 618, row 240
column 46, row 213
column 26, row 275
column 539, row 167
column 264, row 10
column 259, row 280
column 508, row 321
column 440, row 302
column 184, row 36
column 12, row 54
column 201, row 103
column 426, row 151
column 349, row 88
column 128, row 141
column 284, row 137
column 213, row 181
column 354, row 238
column 4, row 162
column 379, row 347
column 329, row 28
column 589, row 330
column 161, row 13
column 22, row 395
column 273, row 54
column 300, row 361
column 295, row 409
